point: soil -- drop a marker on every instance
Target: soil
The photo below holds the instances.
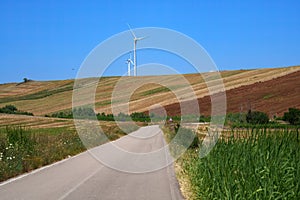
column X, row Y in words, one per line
column 273, row 97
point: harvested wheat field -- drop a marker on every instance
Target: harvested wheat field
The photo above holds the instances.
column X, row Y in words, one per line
column 48, row 97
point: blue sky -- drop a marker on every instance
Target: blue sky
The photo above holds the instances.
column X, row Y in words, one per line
column 48, row 40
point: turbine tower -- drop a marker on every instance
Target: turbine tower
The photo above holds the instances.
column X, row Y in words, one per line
column 135, row 40
column 129, row 63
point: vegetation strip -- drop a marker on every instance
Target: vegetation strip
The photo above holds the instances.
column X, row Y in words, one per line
column 254, row 163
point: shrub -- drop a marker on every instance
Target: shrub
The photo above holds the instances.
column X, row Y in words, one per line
column 182, row 136
column 257, row 117
column 292, row 116
column 11, row 109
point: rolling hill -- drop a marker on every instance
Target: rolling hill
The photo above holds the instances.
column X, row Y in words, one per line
column 272, row 90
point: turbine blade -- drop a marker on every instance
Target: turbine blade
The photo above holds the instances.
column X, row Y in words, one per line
column 142, row 38
column 131, row 31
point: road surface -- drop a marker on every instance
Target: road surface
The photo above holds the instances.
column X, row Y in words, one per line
column 127, row 175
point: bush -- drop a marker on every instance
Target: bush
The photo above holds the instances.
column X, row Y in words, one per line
column 233, row 118
column 204, row 118
column 257, row 117
column 11, row 109
column 80, row 113
column 292, row 116
column 182, row 136
column 142, row 117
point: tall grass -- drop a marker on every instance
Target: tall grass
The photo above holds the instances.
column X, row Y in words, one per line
column 251, row 164
column 22, row 149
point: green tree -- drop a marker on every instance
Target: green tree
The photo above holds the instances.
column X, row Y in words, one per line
column 292, row 116
column 257, row 117
column 10, row 109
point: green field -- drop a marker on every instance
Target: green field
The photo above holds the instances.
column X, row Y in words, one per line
column 245, row 164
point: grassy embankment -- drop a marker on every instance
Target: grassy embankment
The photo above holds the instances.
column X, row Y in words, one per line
column 252, row 163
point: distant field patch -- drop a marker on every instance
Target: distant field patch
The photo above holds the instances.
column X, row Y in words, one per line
column 268, row 96
column 38, row 95
column 155, row 91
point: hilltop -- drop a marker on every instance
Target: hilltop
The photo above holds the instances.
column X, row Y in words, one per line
column 272, row 90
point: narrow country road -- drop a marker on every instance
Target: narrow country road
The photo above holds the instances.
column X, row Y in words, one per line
column 134, row 167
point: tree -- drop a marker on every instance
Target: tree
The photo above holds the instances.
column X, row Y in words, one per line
column 257, row 117
column 25, row 80
column 9, row 109
column 292, row 116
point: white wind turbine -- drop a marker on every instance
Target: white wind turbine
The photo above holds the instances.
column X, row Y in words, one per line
column 135, row 39
column 129, row 63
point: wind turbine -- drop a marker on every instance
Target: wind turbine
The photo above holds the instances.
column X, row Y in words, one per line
column 135, row 40
column 129, row 63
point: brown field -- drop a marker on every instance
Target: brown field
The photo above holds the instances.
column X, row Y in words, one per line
column 273, row 97
column 34, row 122
column 48, row 97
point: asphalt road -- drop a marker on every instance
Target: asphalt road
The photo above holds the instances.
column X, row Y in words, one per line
column 133, row 167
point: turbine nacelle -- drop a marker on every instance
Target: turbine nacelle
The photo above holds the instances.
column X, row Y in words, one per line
column 129, row 61
column 138, row 39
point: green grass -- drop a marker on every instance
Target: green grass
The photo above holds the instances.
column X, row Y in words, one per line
column 155, row 91
column 22, row 149
column 256, row 164
column 103, row 103
column 268, row 96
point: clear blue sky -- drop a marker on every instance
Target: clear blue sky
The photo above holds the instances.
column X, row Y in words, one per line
column 45, row 40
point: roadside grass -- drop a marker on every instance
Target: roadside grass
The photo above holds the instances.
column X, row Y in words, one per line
column 24, row 149
column 252, row 163
column 177, row 146
column 179, row 139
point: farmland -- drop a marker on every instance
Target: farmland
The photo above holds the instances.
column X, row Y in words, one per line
column 253, row 163
column 273, row 97
column 41, row 98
